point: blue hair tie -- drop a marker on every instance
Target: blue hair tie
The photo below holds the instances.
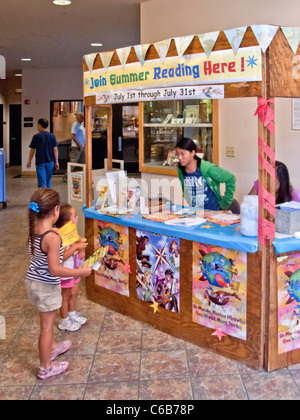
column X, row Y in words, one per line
column 34, row 206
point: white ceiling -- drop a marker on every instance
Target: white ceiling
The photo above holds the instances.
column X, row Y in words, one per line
column 59, row 36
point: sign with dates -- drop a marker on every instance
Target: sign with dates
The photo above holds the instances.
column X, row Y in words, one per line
column 161, row 94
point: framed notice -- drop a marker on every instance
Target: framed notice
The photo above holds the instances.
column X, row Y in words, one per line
column 295, row 113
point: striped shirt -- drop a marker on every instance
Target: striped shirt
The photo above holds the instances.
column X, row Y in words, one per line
column 38, row 268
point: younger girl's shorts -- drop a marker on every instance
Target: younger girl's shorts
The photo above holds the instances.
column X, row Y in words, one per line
column 46, row 297
column 69, row 283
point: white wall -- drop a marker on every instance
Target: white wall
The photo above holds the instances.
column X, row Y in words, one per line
column 163, row 19
column 41, row 86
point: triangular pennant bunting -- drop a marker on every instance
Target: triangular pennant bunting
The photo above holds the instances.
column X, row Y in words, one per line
column 293, row 37
column 182, row 44
column 90, row 59
column 162, row 49
column 264, row 35
column 123, row 54
column 208, row 41
column 141, row 51
column 106, row 59
column 235, row 37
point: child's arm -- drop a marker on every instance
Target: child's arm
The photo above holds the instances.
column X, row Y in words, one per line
column 51, row 245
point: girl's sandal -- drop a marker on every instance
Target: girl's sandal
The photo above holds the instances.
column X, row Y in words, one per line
column 62, row 348
column 53, row 370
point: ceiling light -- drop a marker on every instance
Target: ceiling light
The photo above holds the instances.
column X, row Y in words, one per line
column 25, row 59
column 62, row 2
column 96, row 44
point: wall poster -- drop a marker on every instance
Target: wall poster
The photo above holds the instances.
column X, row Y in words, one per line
column 112, row 273
column 288, row 275
column 158, row 261
column 220, row 289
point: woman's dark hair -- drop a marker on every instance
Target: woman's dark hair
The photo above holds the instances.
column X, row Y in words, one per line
column 46, row 200
column 64, row 215
column 187, row 143
column 285, row 189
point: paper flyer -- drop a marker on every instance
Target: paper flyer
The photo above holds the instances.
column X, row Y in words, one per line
column 68, row 233
column 94, row 259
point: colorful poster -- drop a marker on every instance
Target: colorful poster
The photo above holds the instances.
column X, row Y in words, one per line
column 158, row 261
column 76, row 186
column 221, row 67
column 113, row 273
column 288, row 274
column 220, row 289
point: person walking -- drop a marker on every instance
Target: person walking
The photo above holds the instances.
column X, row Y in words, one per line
column 44, row 146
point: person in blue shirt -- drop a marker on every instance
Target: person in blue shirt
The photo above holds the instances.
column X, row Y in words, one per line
column 77, row 151
column 44, row 146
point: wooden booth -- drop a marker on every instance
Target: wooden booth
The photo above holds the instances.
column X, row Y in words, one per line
column 236, row 295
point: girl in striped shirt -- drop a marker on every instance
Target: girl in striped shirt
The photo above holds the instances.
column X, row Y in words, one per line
column 43, row 277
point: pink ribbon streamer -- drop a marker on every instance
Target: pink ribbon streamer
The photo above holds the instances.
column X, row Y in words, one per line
column 266, row 149
column 266, row 200
column 266, row 230
column 266, row 166
column 266, row 114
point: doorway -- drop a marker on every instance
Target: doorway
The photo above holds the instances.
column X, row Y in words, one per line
column 15, row 135
column 126, row 135
column 62, row 116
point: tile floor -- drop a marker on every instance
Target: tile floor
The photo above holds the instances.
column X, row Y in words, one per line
column 113, row 357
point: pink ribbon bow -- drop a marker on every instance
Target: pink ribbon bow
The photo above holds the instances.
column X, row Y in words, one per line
column 265, row 114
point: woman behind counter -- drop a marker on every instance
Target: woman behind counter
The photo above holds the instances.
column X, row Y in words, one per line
column 283, row 188
column 201, row 180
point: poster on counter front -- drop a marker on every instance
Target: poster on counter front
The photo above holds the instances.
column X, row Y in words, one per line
column 112, row 273
column 288, row 276
column 220, row 289
column 157, row 275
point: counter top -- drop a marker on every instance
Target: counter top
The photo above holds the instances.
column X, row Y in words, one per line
column 209, row 233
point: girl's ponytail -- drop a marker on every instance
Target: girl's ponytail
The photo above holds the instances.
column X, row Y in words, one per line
column 43, row 201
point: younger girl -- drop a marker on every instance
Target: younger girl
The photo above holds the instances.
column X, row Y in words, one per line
column 201, row 179
column 43, row 277
column 70, row 319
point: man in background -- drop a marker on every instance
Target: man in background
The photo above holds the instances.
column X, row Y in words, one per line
column 44, row 146
column 77, row 151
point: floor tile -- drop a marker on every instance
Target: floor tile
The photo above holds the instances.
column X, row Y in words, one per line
column 164, row 365
column 112, row 391
column 171, row 389
column 115, row 367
